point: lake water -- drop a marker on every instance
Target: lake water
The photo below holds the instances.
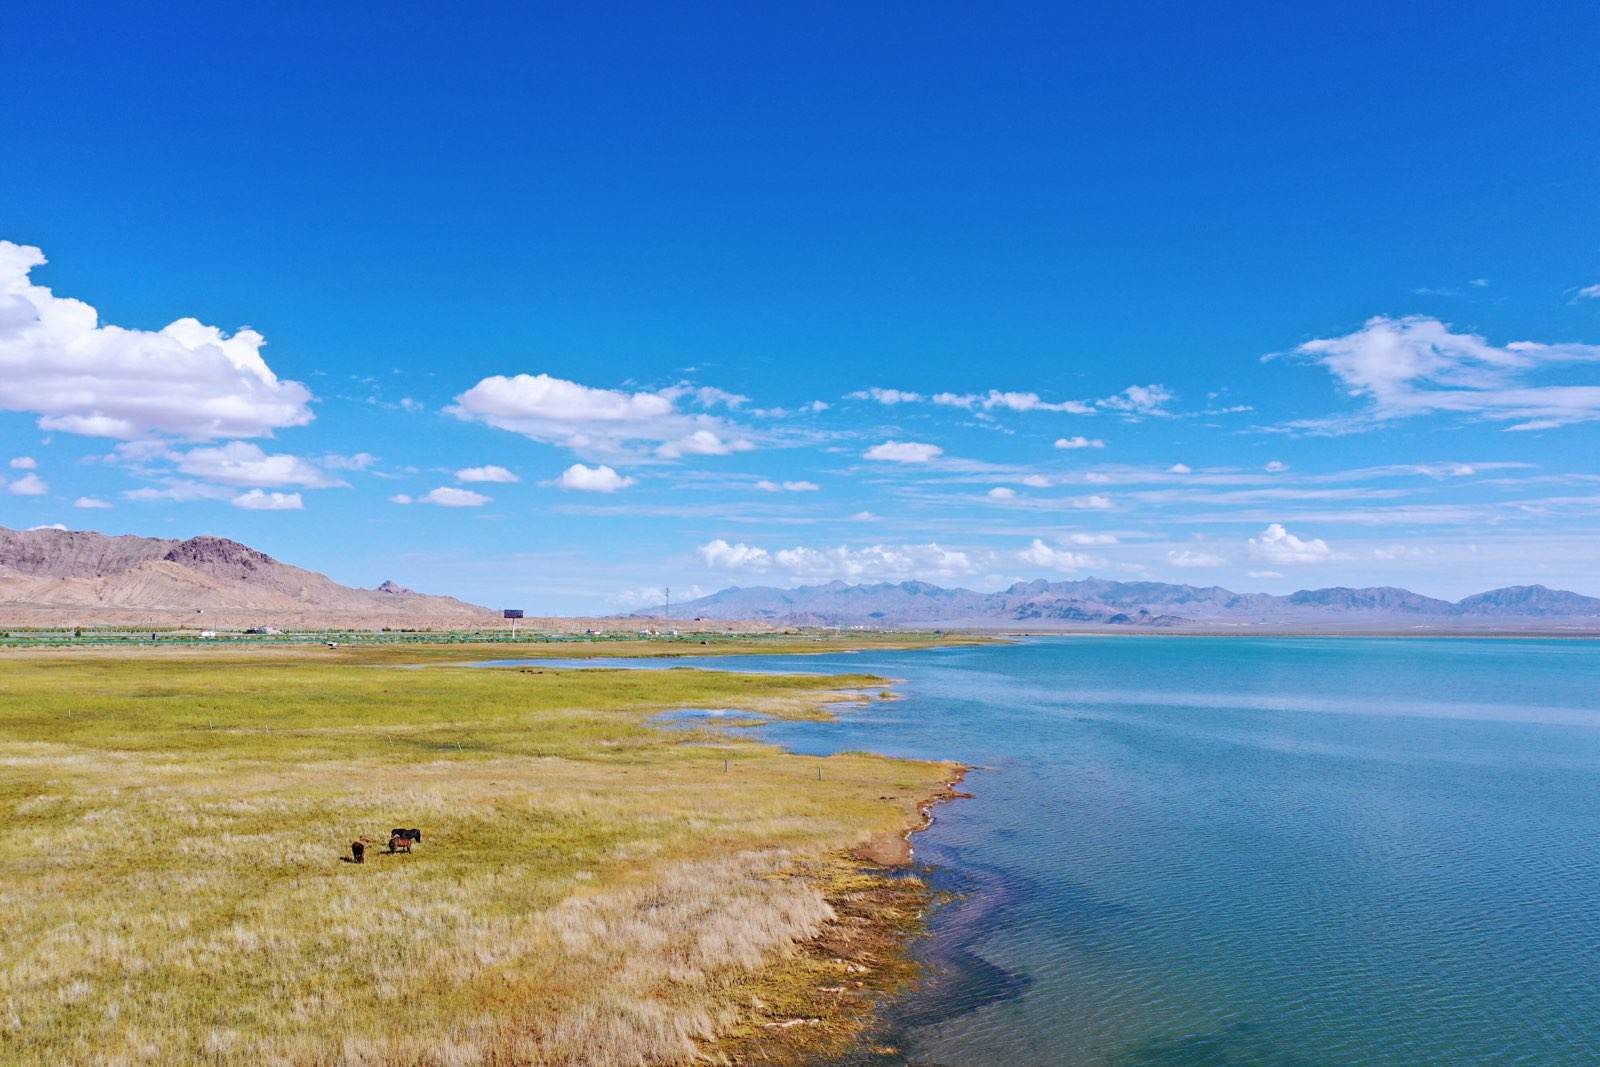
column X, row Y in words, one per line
column 1250, row 851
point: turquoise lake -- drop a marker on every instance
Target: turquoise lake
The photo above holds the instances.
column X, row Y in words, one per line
column 1197, row 851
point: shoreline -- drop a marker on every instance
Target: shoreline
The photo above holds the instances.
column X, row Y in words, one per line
column 830, row 992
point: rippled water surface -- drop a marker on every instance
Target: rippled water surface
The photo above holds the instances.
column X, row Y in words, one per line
column 1242, row 851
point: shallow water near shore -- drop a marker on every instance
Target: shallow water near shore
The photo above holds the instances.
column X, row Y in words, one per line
column 1242, row 851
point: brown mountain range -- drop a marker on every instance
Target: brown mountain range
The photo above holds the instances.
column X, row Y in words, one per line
column 52, row 577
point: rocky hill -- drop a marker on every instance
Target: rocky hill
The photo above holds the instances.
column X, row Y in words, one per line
column 1098, row 604
column 77, row 577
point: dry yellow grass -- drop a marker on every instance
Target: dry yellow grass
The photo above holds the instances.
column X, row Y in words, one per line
column 591, row 888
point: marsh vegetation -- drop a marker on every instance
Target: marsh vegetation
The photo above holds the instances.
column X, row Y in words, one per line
column 592, row 888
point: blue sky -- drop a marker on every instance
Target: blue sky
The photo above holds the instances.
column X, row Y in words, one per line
column 1310, row 291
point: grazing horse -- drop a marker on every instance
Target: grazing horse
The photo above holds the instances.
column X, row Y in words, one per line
column 358, row 852
column 398, row 843
column 409, row 835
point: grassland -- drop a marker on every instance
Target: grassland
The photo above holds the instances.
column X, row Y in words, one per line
column 592, row 888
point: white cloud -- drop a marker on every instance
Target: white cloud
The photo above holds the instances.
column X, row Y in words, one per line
column 720, row 555
column 1416, row 366
column 242, row 463
column 1057, row 559
column 187, row 380
column 652, row 596
column 904, row 452
column 51, row 526
column 1265, row 574
column 1095, row 502
column 1277, row 545
column 181, row 492
column 90, row 502
column 601, row 422
column 1091, row 539
column 767, row 485
column 1137, row 400
column 448, row 496
column 1188, row 557
column 24, row 463
column 702, row 443
column 358, row 462
column 1589, row 292
column 489, row 473
column 601, row 479
column 1010, row 401
column 401, row 498
column 863, row 516
column 1079, row 442
column 1036, row 481
column 885, row 396
column 28, row 485
column 871, row 563
column 706, row 395
column 1180, row 468
column 1276, row 466
column 1001, row 492
column 260, row 500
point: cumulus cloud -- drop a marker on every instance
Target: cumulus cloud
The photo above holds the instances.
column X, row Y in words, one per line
column 1277, row 545
column 90, row 502
column 1188, row 557
column 904, row 452
column 722, row 556
column 242, row 463
column 186, row 380
column 1276, row 466
column 489, row 473
column 601, row 479
column 702, row 443
column 767, row 485
column 1416, row 365
column 448, row 496
column 863, row 516
column 599, row 422
column 1180, row 468
column 261, row 500
column 871, row 563
column 1091, row 539
column 50, row 526
column 1001, row 492
column 1048, row 556
column 1093, row 502
column 24, row 463
column 28, row 485
column 1036, row 481
column 1079, row 442
column 401, row 498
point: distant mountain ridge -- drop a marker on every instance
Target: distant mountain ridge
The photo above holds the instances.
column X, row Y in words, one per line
column 51, row 577
column 1098, row 603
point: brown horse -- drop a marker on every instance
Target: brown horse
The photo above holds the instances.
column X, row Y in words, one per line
column 398, row 843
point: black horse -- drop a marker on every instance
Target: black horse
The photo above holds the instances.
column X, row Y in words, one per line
column 401, row 840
